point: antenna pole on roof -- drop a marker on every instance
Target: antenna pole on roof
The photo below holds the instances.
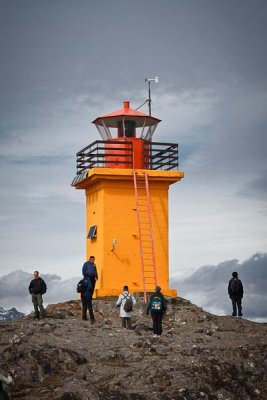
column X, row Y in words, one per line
column 148, row 80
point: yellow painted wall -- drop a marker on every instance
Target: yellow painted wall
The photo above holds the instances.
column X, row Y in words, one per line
column 111, row 205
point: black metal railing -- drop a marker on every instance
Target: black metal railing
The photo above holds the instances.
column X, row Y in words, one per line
column 113, row 153
column 162, row 156
column 104, row 153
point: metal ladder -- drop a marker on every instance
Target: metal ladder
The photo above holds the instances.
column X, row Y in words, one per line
column 146, row 240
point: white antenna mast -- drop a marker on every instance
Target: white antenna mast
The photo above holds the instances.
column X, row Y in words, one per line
column 156, row 80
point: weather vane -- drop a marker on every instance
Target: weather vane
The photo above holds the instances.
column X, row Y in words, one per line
column 156, row 80
column 148, row 80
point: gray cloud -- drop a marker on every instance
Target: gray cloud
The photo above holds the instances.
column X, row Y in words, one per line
column 207, row 286
column 63, row 64
column 256, row 188
column 14, row 290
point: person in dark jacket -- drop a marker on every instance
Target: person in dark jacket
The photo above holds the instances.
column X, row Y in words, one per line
column 3, row 393
column 86, row 294
column 89, row 270
column 157, row 307
column 37, row 288
column 236, row 291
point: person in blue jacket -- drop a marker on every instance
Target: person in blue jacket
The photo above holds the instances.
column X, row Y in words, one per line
column 85, row 288
column 89, row 270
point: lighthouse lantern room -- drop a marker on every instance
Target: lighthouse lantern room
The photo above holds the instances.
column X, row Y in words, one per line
column 126, row 178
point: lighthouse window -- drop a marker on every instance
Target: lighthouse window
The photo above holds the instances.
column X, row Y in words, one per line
column 92, row 232
column 129, row 127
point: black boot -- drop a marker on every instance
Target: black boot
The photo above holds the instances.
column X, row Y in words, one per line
column 84, row 315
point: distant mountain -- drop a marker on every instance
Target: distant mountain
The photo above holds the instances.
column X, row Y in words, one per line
column 9, row 315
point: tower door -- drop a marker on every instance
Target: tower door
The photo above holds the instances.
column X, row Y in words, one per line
column 146, row 240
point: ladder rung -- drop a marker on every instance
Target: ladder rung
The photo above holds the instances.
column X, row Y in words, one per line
column 144, row 216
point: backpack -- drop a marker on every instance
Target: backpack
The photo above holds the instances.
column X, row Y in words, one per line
column 156, row 304
column 85, row 285
column 128, row 305
column 235, row 287
column 44, row 287
column 80, row 287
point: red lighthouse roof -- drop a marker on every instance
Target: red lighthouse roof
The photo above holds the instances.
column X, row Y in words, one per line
column 111, row 120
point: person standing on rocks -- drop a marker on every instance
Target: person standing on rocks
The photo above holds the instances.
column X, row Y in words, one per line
column 37, row 288
column 86, row 290
column 235, row 291
column 89, row 270
column 157, row 307
column 126, row 301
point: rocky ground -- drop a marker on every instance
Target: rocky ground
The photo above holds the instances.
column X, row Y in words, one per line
column 199, row 356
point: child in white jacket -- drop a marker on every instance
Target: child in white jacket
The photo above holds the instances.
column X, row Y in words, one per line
column 125, row 315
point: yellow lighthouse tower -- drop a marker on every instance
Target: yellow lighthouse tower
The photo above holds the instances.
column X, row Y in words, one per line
column 126, row 178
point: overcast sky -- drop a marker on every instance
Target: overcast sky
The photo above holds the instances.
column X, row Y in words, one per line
column 64, row 63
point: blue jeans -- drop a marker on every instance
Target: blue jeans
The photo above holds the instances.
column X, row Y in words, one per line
column 237, row 301
column 87, row 304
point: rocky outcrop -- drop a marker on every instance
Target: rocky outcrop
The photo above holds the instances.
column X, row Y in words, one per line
column 199, row 356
